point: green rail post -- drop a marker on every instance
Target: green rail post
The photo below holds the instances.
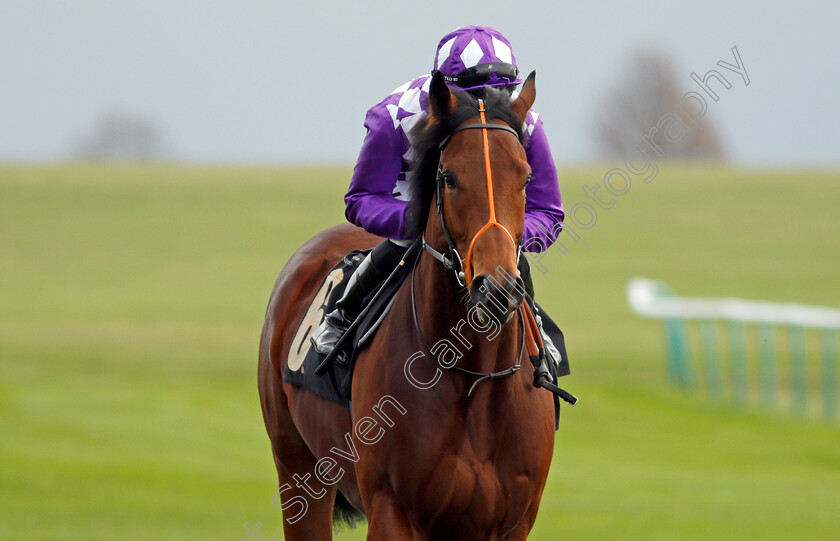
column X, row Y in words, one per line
column 692, row 366
column 678, row 352
column 767, row 364
column 829, row 401
column 798, row 374
column 711, row 357
column 738, row 362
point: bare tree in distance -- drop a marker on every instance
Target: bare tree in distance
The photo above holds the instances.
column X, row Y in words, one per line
column 630, row 110
column 122, row 136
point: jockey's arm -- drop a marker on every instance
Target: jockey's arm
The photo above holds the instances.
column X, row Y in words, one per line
column 543, row 204
column 369, row 200
column 371, row 205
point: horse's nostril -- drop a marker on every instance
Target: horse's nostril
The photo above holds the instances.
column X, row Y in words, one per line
column 498, row 298
column 478, row 289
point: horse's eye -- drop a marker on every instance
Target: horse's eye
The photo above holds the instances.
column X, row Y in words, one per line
column 527, row 181
column 450, row 181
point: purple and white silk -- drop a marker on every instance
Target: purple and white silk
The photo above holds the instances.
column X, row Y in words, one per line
column 471, row 46
column 377, row 199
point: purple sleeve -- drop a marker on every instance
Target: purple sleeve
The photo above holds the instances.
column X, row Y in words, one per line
column 369, row 200
column 543, row 205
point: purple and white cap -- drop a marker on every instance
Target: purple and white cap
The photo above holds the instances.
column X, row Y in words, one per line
column 475, row 56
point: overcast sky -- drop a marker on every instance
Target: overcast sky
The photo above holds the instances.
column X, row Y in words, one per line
column 289, row 82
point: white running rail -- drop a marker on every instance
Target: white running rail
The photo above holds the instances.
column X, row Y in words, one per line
column 654, row 299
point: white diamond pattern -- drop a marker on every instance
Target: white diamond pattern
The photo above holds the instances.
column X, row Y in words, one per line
column 530, row 122
column 502, row 51
column 427, row 84
column 409, row 122
column 444, row 51
column 410, row 101
column 472, row 54
column 392, row 109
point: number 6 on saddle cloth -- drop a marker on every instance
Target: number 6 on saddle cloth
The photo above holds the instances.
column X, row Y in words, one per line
column 330, row 376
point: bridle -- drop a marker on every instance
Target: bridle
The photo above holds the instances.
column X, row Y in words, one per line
column 463, row 266
column 531, row 337
column 480, row 376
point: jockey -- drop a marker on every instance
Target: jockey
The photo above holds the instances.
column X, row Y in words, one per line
column 377, row 200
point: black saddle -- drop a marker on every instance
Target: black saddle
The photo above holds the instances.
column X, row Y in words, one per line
column 335, row 379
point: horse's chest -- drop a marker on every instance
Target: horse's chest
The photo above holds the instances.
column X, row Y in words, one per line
column 479, row 485
column 471, row 496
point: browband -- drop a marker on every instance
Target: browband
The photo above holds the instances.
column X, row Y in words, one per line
column 480, row 127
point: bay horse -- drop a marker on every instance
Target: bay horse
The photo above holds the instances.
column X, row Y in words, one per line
column 424, row 451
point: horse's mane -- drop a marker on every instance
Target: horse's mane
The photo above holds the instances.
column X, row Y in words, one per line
column 427, row 136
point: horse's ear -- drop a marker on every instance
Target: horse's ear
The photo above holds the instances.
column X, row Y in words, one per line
column 526, row 98
column 441, row 100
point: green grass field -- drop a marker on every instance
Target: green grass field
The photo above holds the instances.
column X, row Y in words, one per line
column 131, row 303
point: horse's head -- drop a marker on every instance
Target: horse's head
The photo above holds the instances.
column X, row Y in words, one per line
column 472, row 173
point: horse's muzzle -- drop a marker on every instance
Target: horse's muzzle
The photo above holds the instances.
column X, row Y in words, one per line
column 497, row 299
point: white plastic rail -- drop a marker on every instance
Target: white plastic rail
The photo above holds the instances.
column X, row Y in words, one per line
column 653, row 299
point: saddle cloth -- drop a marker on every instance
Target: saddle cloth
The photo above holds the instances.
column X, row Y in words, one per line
column 335, row 383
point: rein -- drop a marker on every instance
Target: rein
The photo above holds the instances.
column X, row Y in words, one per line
column 480, row 376
column 463, row 266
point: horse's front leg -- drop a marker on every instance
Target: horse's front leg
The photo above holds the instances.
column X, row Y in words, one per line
column 387, row 522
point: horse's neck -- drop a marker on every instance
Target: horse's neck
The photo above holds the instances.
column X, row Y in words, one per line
column 443, row 313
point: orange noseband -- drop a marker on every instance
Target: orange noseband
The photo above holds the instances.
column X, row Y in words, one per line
column 468, row 273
